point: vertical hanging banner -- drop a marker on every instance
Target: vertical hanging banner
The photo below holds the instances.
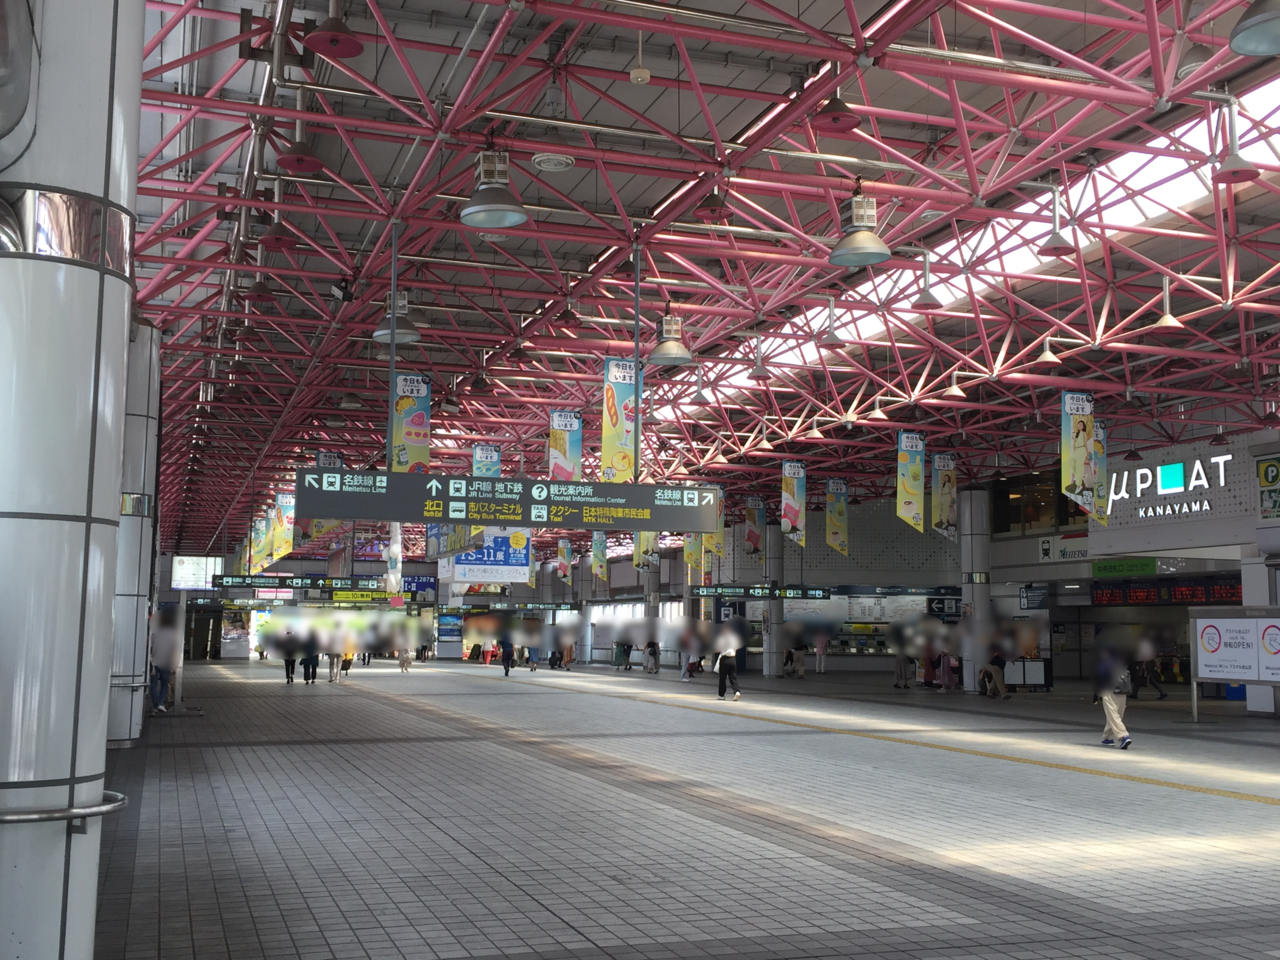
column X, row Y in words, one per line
column 259, row 545
column 911, row 478
column 715, row 541
column 282, row 526
column 1079, row 469
column 564, row 559
column 943, row 520
column 486, row 460
column 622, row 386
column 693, row 557
column 564, row 446
column 793, row 500
column 411, row 427
column 643, row 547
column 753, row 530
column 1100, row 472
column 599, row 555
column 533, row 565
column 838, row 516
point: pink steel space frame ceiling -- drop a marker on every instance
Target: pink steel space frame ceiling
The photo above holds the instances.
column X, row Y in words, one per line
column 973, row 117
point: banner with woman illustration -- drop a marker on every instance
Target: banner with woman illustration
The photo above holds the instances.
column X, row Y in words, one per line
column 600, row 555
column 944, row 511
column 1079, row 450
column 911, row 478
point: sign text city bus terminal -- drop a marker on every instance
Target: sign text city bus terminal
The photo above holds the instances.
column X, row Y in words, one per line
column 429, row 497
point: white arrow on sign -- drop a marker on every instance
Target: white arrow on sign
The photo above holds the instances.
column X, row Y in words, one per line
column 706, row 499
column 311, row 481
column 433, row 486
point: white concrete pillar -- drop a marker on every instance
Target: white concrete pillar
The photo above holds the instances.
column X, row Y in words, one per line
column 1257, row 590
column 771, row 665
column 129, row 667
column 975, row 576
column 64, row 332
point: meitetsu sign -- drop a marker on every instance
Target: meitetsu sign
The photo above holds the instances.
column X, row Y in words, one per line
column 1177, row 489
column 1189, row 495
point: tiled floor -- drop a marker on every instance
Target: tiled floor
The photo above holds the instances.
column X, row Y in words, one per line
column 453, row 813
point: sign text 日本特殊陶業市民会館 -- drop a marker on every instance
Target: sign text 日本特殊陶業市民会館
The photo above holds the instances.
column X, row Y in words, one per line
column 514, row 502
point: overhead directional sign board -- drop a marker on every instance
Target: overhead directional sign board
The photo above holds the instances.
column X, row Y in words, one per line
column 261, row 582
column 432, row 498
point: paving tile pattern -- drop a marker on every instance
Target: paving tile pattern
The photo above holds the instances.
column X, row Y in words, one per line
column 449, row 814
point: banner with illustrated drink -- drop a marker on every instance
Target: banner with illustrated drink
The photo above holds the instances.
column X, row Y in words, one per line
column 911, row 478
column 643, row 547
column 943, row 520
column 1100, row 472
column 282, row 526
column 486, row 460
column 793, row 500
column 838, row 516
column 1079, row 465
column 564, row 446
column 715, row 541
column 411, row 427
column 259, row 545
column 618, row 421
column 753, row 530
column 599, row 555
column 564, row 560
column 693, row 546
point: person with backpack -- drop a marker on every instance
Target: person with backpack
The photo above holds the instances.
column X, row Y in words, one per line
column 1112, row 685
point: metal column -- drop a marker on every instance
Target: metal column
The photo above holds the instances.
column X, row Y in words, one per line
column 975, row 576
column 772, row 661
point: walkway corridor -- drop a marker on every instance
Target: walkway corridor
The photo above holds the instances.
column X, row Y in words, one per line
column 455, row 813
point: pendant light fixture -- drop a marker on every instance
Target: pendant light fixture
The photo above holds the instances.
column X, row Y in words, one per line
column 1047, row 355
column 333, row 38
column 877, row 413
column 639, row 75
column 257, row 292
column 860, row 247
column 1193, row 58
column 670, row 351
column 492, row 205
column 1257, row 32
column 832, row 339
column 1235, row 168
column 551, row 157
column 926, row 300
column 835, row 115
column 1056, row 245
column 758, row 372
column 1219, row 438
column 955, row 390
column 699, row 397
column 814, row 433
column 297, row 157
column 1133, row 456
column 350, row 401
column 278, row 237
column 712, row 208
column 1167, row 320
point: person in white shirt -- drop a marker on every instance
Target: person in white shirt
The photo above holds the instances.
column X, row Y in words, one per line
column 729, row 637
column 166, row 654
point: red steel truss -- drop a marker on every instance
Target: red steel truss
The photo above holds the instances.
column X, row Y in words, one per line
column 974, row 117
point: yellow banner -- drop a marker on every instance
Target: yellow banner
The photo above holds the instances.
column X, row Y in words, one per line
column 619, row 421
column 838, row 516
column 911, row 479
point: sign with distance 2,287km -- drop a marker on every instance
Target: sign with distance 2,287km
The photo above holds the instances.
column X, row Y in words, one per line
column 495, row 501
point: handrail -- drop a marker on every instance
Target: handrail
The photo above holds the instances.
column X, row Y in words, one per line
column 110, row 803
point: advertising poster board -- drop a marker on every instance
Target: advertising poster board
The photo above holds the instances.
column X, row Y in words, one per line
column 911, row 479
column 1226, row 649
column 793, row 500
column 618, row 420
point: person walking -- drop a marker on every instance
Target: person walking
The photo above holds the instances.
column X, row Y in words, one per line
column 406, row 658
column 166, row 655
column 486, row 650
column 508, row 650
column 1148, row 668
column 1112, row 684
column 820, row 643
column 732, row 635
column 310, row 658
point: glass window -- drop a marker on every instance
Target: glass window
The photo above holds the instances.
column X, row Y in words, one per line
column 1039, row 504
column 1006, row 499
